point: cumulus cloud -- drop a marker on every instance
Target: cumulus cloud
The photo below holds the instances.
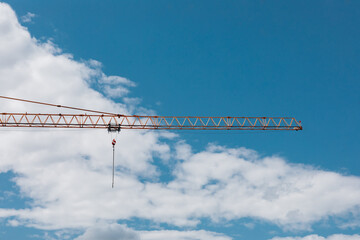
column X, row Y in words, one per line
column 317, row 237
column 67, row 174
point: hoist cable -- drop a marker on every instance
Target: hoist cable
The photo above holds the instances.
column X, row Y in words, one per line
column 113, row 167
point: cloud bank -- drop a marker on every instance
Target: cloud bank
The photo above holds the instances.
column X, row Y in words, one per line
column 66, row 174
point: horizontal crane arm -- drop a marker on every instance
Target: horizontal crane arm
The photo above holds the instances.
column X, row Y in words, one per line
column 114, row 122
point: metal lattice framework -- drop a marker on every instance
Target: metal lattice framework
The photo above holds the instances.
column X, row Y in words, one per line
column 115, row 122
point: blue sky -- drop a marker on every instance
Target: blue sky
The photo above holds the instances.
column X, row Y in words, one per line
column 217, row 58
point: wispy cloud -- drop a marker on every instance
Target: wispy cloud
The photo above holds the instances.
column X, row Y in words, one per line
column 27, row 17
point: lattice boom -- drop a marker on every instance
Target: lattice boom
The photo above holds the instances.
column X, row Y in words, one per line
column 147, row 122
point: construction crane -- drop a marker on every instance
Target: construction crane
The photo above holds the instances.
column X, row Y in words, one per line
column 114, row 122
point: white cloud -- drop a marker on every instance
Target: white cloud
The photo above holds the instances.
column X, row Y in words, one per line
column 109, row 232
column 117, row 80
column 182, row 235
column 115, row 86
column 183, row 150
column 317, row 237
column 120, row 232
column 67, row 174
column 13, row 223
column 27, row 17
column 110, row 86
column 115, row 91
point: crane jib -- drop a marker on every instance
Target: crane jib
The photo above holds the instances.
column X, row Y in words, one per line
column 114, row 122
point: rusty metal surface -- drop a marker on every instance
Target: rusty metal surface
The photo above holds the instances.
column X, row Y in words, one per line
column 147, row 122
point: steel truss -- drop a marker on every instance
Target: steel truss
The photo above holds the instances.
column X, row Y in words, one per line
column 115, row 122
